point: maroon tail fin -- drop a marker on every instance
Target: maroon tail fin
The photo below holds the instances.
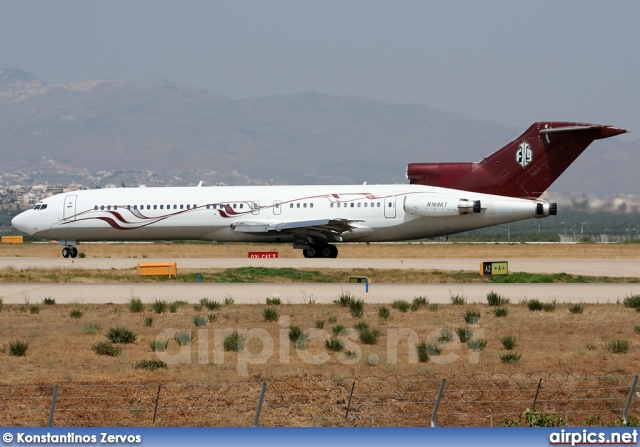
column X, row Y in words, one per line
column 523, row 168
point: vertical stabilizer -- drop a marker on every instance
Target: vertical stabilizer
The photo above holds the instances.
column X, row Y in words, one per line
column 524, row 168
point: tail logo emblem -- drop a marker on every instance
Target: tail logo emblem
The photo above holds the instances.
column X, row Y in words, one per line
column 524, row 154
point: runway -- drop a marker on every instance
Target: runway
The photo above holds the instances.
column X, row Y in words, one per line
column 304, row 293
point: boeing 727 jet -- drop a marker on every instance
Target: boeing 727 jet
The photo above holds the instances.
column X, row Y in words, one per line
column 441, row 199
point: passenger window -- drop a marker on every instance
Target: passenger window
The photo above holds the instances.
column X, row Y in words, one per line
column 304, row 205
column 358, row 204
column 390, row 204
column 378, row 204
column 352, row 205
column 155, row 207
column 148, row 207
column 331, row 205
column 241, row 205
column 188, row 206
column 181, row 206
column 297, row 205
column 95, row 207
column 365, row 204
column 102, row 207
column 291, row 205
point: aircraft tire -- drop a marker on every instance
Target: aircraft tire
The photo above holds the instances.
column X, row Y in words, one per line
column 74, row 252
column 326, row 251
column 66, row 252
column 311, row 252
column 334, row 251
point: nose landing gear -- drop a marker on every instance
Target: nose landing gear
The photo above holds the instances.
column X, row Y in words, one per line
column 321, row 251
column 69, row 251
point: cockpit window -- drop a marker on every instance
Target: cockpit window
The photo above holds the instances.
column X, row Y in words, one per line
column 43, row 206
column 37, row 207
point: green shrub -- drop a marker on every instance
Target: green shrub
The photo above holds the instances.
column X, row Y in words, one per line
column 532, row 418
column 91, row 328
column 369, row 336
column 356, row 308
column 464, row 334
column 549, row 307
column 1, row 304
column 159, row 345
column 576, row 308
column 75, row 313
column 510, row 358
column 210, row 304
column 294, row 333
column 383, row 313
column 212, row 318
column 151, row 365
column 136, row 305
column 148, row 321
column 105, row 348
column 334, row 344
column 34, row 309
column 419, row 302
column 534, row 304
column 423, row 355
column 182, row 337
column 458, row 300
column 159, row 306
column 82, row 255
column 337, row 329
column 632, row 301
column 234, row 342
column 319, row 324
column 591, row 346
column 270, row 314
column 48, row 301
column 273, row 301
column 344, row 299
column 636, row 329
column 471, row 316
column 175, row 305
column 477, row 344
column 18, row 348
column 495, row 299
column 332, row 319
column 500, row 311
column 121, row 335
column 618, row 346
column 200, row 320
column 508, row 342
column 446, row 335
column 401, row 305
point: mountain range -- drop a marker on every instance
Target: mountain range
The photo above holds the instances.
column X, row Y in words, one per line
column 185, row 134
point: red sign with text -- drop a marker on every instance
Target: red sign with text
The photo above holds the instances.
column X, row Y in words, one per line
column 263, row 254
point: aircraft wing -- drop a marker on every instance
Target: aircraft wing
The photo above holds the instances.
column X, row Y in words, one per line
column 329, row 229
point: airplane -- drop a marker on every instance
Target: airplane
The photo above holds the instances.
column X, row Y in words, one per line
column 441, row 199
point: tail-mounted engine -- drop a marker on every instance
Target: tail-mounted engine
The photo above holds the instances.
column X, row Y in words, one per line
column 429, row 206
column 544, row 209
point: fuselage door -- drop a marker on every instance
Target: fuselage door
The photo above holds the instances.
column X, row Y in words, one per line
column 69, row 211
column 277, row 207
column 255, row 207
column 390, row 207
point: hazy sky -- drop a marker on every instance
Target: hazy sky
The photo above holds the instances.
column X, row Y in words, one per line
column 512, row 62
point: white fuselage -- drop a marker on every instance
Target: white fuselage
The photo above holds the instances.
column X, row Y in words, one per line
column 375, row 212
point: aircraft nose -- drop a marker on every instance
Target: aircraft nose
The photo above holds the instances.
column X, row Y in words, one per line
column 20, row 223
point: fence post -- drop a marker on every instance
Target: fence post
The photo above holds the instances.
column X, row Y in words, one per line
column 259, row 409
column 53, row 405
column 155, row 410
column 629, row 398
column 435, row 407
column 349, row 403
column 535, row 399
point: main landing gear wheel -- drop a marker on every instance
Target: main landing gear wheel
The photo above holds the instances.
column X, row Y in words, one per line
column 69, row 252
column 321, row 251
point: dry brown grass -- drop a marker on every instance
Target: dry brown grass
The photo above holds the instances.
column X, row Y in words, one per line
column 414, row 250
column 557, row 345
column 60, row 347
